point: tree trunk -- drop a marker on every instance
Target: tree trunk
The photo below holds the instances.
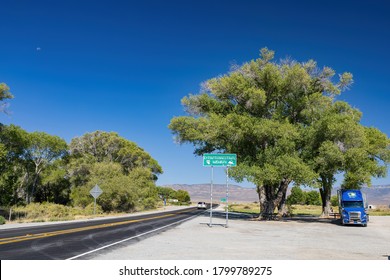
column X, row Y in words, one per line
column 269, row 207
column 261, row 193
column 282, row 207
column 281, row 197
column 326, row 192
column 272, row 196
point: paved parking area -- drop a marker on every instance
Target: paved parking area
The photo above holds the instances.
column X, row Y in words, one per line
column 294, row 239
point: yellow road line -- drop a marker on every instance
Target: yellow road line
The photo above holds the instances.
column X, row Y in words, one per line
column 15, row 239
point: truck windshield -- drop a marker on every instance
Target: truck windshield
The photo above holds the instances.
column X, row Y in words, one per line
column 352, row 204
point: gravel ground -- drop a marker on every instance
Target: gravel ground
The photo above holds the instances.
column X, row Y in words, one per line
column 298, row 239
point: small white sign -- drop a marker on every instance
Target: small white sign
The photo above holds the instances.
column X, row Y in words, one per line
column 96, row 191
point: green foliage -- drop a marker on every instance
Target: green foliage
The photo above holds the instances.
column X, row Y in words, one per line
column 4, row 94
column 2, row 220
column 37, row 167
column 124, row 171
column 282, row 121
column 297, row 196
column 313, row 198
column 109, row 146
column 334, row 201
column 149, row 203
column 119, row 190
column 262, row 111
column 168, row 193
column 183, row 196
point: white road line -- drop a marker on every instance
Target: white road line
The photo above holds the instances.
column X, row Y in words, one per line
column 127, row 239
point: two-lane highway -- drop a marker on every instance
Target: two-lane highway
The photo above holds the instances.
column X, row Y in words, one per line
column 78, row 240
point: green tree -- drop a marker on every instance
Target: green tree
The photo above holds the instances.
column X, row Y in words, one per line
column 167, row 193
column 55, row 185
column 109, row 146
column 183, row 196
column 297, row 196
column 367, row 160
column 25, row 156
column 124, row 171
column 4, row 95
column 312, row 198
column 14, row 177
column 282, row 121
column 334, row 200
column 337, row 142
column 261, row 111
column 42, row 151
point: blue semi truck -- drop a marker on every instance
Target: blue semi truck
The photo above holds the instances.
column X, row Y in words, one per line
column 353, row 207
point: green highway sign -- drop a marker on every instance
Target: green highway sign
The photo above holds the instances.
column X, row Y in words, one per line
column 219, row 160
column 223, row 199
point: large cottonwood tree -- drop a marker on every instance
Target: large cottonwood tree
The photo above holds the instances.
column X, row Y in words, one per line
column 263, row 111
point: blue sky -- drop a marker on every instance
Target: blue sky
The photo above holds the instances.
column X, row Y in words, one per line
column 80, row 66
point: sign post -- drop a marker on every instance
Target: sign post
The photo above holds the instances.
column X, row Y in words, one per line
column 227, row 195
column 219, row 160
column 96, row 191
column 211, row 197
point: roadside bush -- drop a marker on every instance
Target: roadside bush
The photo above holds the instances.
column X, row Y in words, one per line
column 44, row 211
column 149, row 203
column 2, row 220
column 89, row 209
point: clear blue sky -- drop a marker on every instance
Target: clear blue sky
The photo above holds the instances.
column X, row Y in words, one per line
column 80, row 66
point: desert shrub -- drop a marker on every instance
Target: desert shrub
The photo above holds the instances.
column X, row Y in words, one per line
column 89, row 209
column 44, row 211
column 2, row 220
column 149, row 203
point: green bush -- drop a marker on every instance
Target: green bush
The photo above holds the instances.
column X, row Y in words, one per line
column 149, row 203
column 334, row 200
column 313, row 198
column 2, row 220
column 297, row 196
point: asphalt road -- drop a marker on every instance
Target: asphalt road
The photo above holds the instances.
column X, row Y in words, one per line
column 82, row 240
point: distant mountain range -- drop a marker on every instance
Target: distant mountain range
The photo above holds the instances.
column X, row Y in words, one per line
column 201, row 192
column 376, row 195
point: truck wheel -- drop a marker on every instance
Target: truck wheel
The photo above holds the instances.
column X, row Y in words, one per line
column 364, row 225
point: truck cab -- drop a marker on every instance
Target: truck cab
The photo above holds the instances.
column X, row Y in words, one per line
column 353, row 207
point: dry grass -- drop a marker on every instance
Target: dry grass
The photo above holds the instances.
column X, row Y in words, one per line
column 380, row 211
column 249, row 208
column 302, row 210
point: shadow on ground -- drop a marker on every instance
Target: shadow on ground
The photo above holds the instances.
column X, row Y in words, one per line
column 298, row 219
column 311, row 219
column 231, row 215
